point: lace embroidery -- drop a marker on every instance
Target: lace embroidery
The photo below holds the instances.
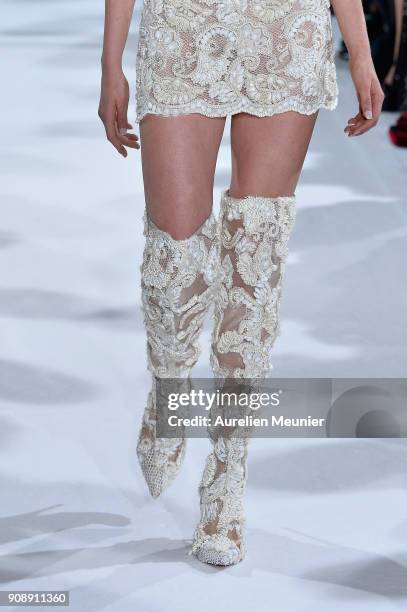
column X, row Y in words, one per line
column 218, row 57
column 254, row 238
column 178, row 281
column 222, row 505
column 219, row 536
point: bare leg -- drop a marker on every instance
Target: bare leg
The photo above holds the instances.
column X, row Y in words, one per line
column 179, row 269
column 179, row 157
column 268, row 153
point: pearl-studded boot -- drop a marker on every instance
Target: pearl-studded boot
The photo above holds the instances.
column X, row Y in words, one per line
column 178, row 280
column 254, row 237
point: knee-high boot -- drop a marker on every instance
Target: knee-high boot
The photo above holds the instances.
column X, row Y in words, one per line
column 178, row 280
column 254, row 237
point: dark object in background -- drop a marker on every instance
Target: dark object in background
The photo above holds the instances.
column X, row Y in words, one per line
column 398, row 132
column 380, row 20
column 396, row 93
column 381, row 28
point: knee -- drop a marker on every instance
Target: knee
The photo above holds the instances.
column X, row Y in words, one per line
column 180, row 213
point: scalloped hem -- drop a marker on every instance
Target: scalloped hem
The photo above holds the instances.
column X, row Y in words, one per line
column 251, row 109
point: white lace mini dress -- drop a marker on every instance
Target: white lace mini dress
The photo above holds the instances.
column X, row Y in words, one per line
column 221, row 57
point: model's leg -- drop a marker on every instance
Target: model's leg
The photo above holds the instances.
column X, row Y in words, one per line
column 257, row 215
column 180, row 264
column 179, row 157
column 268, row 153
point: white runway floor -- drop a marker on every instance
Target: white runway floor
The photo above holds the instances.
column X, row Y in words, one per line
column 327, row 526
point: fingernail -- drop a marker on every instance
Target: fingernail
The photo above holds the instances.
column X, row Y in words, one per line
column 368, row 114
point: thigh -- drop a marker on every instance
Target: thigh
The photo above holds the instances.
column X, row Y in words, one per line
column 268, row 153
column 179, row 156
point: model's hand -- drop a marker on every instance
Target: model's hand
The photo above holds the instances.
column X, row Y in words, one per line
column 370, row 96
column 113, row 106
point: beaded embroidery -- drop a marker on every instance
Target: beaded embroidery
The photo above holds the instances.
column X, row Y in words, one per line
column 254, row 238
column 218, row 57
column 178, row 280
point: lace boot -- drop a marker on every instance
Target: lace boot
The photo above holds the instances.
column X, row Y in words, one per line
column 254, row 246
column 254, row 238
column 218, row 538
column 178, row 281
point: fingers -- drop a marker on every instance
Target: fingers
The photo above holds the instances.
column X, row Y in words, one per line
column 377, row 99
column 128, row 140
column 354, row 124
column 365, row 101
column 369, row 106
column 108, row 118
column 122, row 121
column 116, row 135
column 122, row 125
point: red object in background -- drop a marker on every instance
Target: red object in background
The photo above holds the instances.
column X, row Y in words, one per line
column 398, row 132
